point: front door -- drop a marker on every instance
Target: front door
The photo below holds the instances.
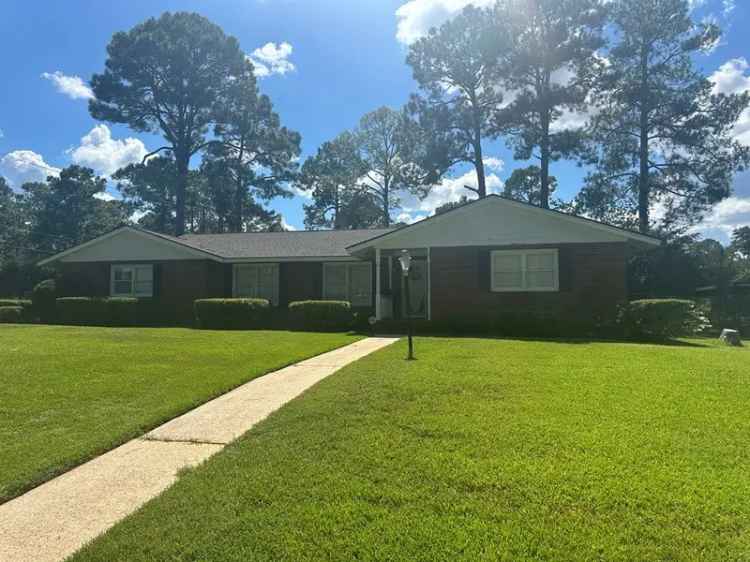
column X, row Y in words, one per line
column 417, row 289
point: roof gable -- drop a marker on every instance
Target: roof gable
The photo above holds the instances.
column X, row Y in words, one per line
column 130, row 244
column 496, row 221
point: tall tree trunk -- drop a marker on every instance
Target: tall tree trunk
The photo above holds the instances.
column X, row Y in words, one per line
column 643, row 179
column 544, row 147
column 237, row 211
column 183, row 162
column 386, row 202
column 477, row 145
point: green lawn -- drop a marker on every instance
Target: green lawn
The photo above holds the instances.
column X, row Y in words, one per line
column 68, row 394
column 479, row 450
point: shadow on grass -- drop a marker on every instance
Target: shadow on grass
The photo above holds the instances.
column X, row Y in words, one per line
column 550, row 339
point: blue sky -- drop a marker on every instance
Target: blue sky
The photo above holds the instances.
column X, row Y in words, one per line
column 328, row 63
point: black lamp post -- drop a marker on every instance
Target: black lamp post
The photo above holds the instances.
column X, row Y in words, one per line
column 405, row 261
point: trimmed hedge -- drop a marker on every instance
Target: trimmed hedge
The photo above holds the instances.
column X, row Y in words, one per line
column 333, row 316
column 662, row 318
column 231, row 314
column 11, row 314
column 43, row 300
column 94, row 311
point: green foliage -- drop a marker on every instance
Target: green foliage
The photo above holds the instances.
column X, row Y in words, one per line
column 549, row 69
column 662, row 318
column 389, row 147
column 332, row 176
column 525, row 184
column 456, row 68
column 13, row 227
column 64, row 211
column 150, row 189
column 321, row 316
column 169, row 75
column 661, row 133
column 231, row 314
column 253, row 157
column 43, row 300
column 11, row 314
column 110, row 311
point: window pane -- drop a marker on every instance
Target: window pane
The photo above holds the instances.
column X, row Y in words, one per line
column 122, row 287
column 540, row 262
column 266, row 283
column 246, row 279
column 540, row 279
column 508, row 280
column 360, row 285
column 508, row 263
column 123, row 274
column 335, row 282
column 144, row 281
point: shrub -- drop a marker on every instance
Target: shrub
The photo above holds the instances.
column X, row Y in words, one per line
column 231, row 314
column 321, row 315
column 99, row 311
column 662, row 318
column 43, row 300
column 11, row 314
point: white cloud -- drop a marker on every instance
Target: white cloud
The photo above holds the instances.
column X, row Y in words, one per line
column 98, row 150
column 286, row 226
column 105, row 196
column 417, row 17
column 72, row 86
column 726, row 215
column 732, row 78
column 448, row 190
column 272, row 58
column 493, row 163
column 21, row 166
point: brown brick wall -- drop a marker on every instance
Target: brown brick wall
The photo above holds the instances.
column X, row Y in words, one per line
column 593, row 281
column 176, row 283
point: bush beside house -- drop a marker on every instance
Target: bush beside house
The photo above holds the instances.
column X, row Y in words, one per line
column 43, row 300
column 11, row 314
column 662, row 318
column 232, row 314
column 324, row 316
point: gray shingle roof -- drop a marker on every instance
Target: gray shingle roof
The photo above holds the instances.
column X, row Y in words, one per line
column 295, row 244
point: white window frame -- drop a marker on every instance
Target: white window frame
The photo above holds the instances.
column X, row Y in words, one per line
column 347, row 268
column 257, row 267
column 133, row 267
column 524, row 288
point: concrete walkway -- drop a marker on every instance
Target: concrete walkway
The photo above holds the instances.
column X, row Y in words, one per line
column 55, row 519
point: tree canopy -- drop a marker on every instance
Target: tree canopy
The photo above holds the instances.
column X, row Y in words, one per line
column 168, row 75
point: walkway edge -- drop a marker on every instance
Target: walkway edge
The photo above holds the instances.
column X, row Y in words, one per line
column 55, row 519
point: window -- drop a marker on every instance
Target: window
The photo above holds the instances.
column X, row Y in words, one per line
column 132, row 281
column 348, row 282
column 257, row 281
column 524, row 270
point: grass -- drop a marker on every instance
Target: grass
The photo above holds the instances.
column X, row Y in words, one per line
column 479, row 450
column 68, row 394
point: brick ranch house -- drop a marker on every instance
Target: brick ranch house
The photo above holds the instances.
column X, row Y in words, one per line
column 487, row 258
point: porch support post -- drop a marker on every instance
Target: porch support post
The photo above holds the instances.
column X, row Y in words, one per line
column 378, row 307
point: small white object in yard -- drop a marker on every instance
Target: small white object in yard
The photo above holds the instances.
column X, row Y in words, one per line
column 731, row 337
